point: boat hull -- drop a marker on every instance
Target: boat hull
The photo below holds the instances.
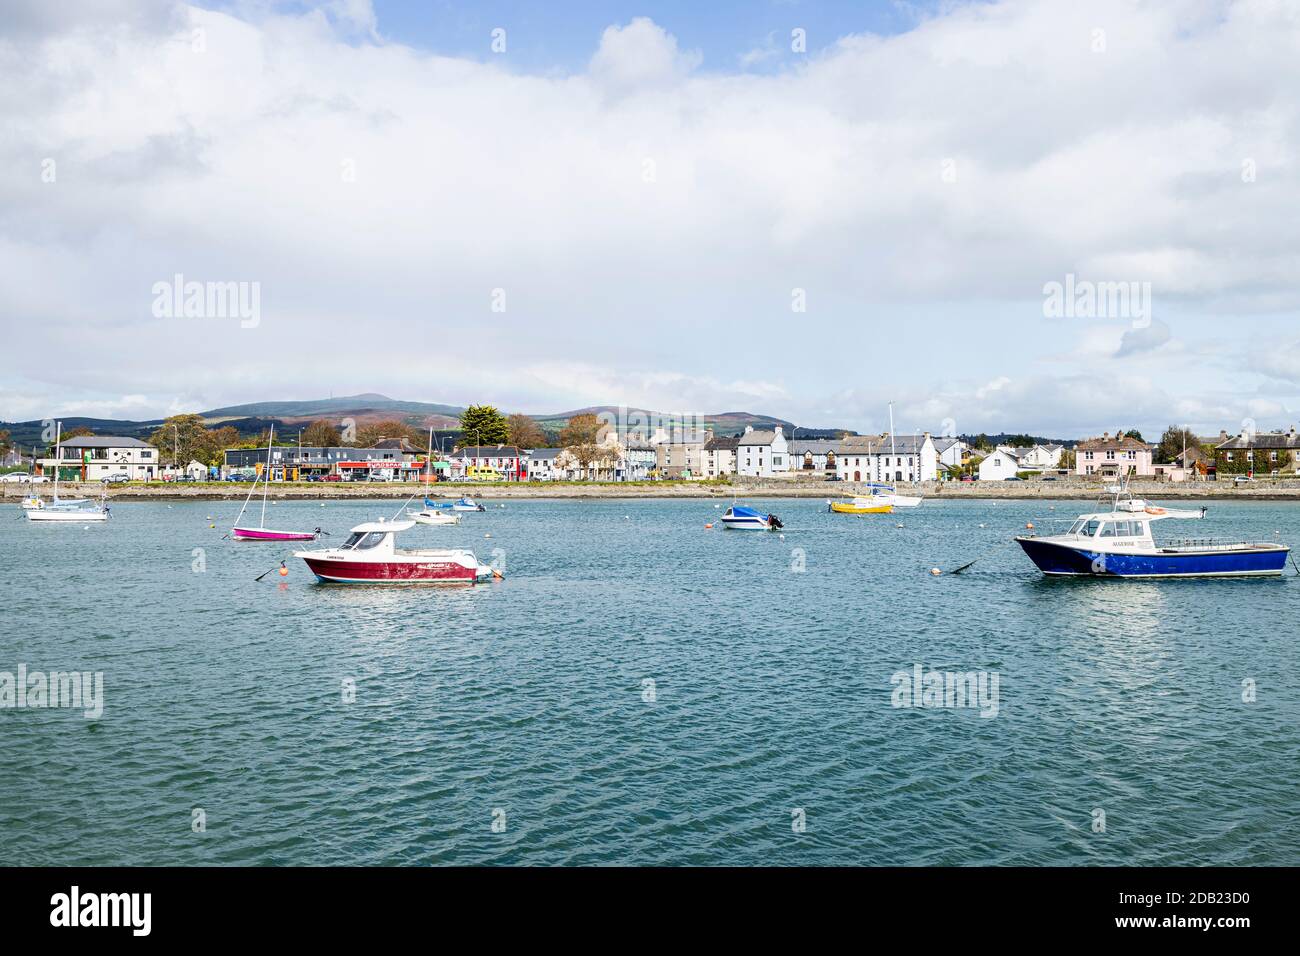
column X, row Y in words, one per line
column 434, row 518
column 1057, row 559
column 53, row 514
column 847, row 508
column 265, row 534
column 391, row 572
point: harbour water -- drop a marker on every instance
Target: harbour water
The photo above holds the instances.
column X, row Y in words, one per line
column 640, row 690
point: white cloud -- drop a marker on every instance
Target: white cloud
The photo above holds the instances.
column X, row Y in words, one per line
column 648, row 218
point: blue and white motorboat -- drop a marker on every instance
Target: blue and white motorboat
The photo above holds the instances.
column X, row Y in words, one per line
column 462, row 504
column 740, row 518
column 1119, row 544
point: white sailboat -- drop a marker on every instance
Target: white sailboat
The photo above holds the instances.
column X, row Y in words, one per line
column 71, row 509
column 430, row 514
column 888, row 494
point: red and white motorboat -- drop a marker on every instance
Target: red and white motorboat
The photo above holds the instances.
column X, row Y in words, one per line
column 370, row 556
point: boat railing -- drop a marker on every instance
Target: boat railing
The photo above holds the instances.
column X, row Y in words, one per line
column 1209, row 544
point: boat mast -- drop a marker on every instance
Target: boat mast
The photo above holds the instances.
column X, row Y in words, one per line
column 266, row 474
column 58, row 455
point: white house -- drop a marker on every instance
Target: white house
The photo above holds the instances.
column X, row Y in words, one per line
column 541, row 464
column 1036, row 457
column 951, row 451
column 762, row 453
column 720, row 457
column 96, row 457
column 1000, row 464
column 888, row 458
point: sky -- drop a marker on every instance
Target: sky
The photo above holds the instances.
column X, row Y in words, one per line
column 806, row 210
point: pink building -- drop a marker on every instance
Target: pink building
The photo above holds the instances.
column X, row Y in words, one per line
column 1109, row 457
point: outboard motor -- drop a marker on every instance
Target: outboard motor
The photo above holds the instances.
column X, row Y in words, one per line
column 774, row 522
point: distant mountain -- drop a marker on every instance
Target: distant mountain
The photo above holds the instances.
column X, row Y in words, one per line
column 367, row 407
column 253, row 418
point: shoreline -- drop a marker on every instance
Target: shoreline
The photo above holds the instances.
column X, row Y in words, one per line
column 773, row 488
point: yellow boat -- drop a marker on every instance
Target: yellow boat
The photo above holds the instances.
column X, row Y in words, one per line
column 861, row 506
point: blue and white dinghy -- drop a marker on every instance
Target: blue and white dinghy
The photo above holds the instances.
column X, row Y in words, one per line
column 740, row 518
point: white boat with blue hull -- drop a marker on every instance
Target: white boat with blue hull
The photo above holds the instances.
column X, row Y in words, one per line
column 1119, row 544
column 740, row 518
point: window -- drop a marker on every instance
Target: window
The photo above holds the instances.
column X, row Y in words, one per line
column 1108, row 530
column 1090, row 529
column 1122, row 529
column 1077, row 526
column 364, row 541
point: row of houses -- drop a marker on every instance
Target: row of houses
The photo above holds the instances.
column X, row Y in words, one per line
column 757, row 453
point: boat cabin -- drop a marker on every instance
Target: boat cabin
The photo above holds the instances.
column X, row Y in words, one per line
column 375, row 536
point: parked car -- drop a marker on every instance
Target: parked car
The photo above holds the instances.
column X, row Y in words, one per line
column 1049, row 477
column 1242, row 479
column 314, row 478
column 834, row 478
column 14, row 477
column 332, row 478
column 120, row 476
column 966, row 478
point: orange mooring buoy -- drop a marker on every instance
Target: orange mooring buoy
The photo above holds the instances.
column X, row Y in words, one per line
column 284, row 572
column 1029, row 525
column 708, row 526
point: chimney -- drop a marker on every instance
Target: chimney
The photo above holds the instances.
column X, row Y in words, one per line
column 1105, row 436
column 1223, row 435
column 748, row 429
column 778, row 429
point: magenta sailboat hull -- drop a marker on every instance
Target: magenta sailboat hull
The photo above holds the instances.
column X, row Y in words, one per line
column 266, row 534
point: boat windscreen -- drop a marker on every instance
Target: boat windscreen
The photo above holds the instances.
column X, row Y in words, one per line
column 361, row 541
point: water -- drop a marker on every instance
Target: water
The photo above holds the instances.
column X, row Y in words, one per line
column 523, row 702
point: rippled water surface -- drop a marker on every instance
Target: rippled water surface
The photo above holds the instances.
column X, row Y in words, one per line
column 524, row 702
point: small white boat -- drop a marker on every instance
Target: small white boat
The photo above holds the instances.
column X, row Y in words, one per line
column 467, row 504
column 33, row 503
column 740, row 518
column 433, row 517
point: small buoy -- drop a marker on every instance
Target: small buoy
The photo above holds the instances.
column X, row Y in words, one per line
column 981, row 524
column 487, row 535
column 1029, row 525
column 284, row 572
column 936, row 572
column 782, row 537
column 211, row 526
column 717, row 506
column 708, row 526
column 898, row 526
